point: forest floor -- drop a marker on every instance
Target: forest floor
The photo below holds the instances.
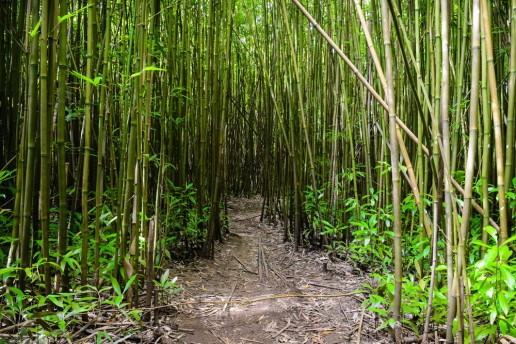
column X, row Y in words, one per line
column 288, row 310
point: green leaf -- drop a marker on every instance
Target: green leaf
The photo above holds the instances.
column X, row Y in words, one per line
column 504, row 253
column 95, row 82
column 492, row 316
column 154, row 68
column 56, row 301
column 73, row 14
column 511, row 239
column 379, row 311
column 492, row 232
column 135, row 313
column 17, row 291
column 34, row 31
column 147, row 69
column 129, row 283
column 504, row 304
column 7, row 271
column 491, row 255
column 81, row 76
column 164, row 277
column 479, row 243
column 116, row 286
column 507, row 277
column 503, row 326
column 118, row 300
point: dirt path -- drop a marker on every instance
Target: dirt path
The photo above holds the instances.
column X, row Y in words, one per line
column 275, row 320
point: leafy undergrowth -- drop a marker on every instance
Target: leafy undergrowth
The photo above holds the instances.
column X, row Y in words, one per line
column 363, row 234
column 28, row 314
column 30, row 317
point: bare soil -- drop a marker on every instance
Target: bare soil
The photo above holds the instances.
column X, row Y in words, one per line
column 287, row 311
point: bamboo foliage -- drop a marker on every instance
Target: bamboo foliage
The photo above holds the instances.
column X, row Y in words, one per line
column 381, row 131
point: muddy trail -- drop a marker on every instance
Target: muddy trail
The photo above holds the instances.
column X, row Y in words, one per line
column 258, row 290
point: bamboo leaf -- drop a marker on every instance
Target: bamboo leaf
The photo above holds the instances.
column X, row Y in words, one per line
column 55, row 300
column 153, row 68
column 116, row 286
column 34, row 31
column 164, row 277
column 148, row 68
column 130, row 282
column 72, row 14
column 82, row 77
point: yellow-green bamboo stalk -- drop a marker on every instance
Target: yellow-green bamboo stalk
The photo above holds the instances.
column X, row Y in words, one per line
column 497, row 123
column 398, row 272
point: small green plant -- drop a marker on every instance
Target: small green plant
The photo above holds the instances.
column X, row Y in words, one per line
column 166, row 286
column 372, row 234
column 186, row 228
column 493, row 289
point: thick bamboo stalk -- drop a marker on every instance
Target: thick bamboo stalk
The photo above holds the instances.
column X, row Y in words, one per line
column 103, row 110
column 61, row 149
column 45, row 136
column 87, row 146
column 497, row 123
column 30, row 146
column 398, row 272
column 511, row 110
column 446, row 156
column 471, row 154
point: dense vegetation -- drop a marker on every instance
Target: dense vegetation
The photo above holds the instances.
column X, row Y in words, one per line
column 382, row 131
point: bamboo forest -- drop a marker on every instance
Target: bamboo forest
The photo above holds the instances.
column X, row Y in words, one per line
column 256, row 171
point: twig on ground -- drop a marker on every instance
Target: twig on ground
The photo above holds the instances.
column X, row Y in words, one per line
column 282, row 330
column 287, row 284
column 82, row 329
column 359, row 334
column 250, row 340
column 263, row 270
column 247, row 218
column 323, row 286
column 244, row 301
column 244, row 266
column 12, row 327
column 230, row 296
column 218, row 336
column 186, row 330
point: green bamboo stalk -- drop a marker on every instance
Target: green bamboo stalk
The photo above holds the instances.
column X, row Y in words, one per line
column 60, row 141
column 443, row 102
column 14, row 86
column 302, row 111
column 32, row 100
column 87, row 145
column 497, row 123
column 458, row 96
column 149, row 76
column 99, row 181
column 45, row 133
column 471, row 154
column 398, row 272
column 511, row 112
column 486, row 138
